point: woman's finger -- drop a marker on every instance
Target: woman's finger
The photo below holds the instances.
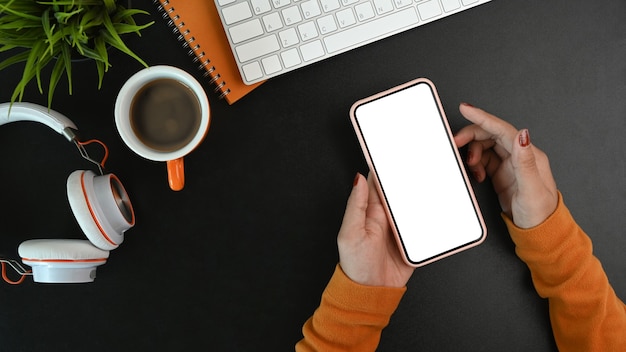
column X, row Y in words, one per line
column 491, row 127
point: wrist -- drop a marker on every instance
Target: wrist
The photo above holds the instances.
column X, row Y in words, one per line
column 349, row 282
column 374, row 276
column 539, row 211
column 519, row 224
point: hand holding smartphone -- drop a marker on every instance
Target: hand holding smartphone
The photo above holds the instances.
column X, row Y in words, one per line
column 410, row 150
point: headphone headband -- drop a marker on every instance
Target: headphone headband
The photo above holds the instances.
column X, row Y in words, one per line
column 37, row 113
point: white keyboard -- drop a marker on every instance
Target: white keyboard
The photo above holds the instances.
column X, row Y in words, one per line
column 271, row 37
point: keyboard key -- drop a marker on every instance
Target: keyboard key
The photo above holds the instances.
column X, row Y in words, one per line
column 291, row 15
column 290, row 58
column 327, row 24
column 450, row 5
column 345, row 18
column 348, row 2
column 225, row 2
column 280, row 3
column 329, row 5
column 289, row 37
column 252, row 71
column 257, row 48
column 307, row 31
column 365, row 11
column 245, row 31
column 429, row 9
column 370, row 31
column 236, row 13
column 469, row 2
column 403, row 3
column 271, row 64
column 310, row 9
column 312, row 50
column 383, row 6
column 272, row 22
column 260, row 6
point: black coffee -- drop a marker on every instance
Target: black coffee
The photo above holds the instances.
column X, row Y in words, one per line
column 165, row 114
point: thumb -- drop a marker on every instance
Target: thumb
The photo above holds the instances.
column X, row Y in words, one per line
column 534, row 201
column 356, row 207
column 525, row 165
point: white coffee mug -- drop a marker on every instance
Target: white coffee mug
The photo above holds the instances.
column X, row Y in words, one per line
column 123, row 111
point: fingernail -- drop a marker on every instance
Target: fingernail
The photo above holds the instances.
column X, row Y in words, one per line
column 524, row 138
column 356, row 179
column 469, row 156
column 467, row 104
column 476, row 175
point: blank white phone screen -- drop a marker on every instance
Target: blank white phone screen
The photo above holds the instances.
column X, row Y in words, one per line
column 421, row 179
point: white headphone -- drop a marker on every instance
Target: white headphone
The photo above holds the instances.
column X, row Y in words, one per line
column 99, row 202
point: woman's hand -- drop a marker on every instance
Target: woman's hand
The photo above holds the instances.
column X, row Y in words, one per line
column 368, row 252
column 520, row 172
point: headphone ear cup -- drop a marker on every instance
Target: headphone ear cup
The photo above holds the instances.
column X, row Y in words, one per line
column 62, row 260
column 101, row 207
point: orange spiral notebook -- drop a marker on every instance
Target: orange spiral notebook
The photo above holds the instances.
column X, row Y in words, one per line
column 198, row 26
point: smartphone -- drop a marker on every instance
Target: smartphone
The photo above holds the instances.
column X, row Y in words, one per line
column 409, row 148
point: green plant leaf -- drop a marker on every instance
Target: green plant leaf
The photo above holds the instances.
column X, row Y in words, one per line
column 42, row 62
column 52, row 30
column 101, row 48
column 67, row 59
column 29, row 72
column 25, row 7
column 110, row 5
column 122, row 28
column 64, row 17
column 127, row 14
column 103, row 65
column 3, row 6
column 59, row 3
column 111, row 37
column 6, row 9
column 47, row 28
column 55, row 76
column 18, row 23
column 91, row 19
column 21, row 57
column 7, row 47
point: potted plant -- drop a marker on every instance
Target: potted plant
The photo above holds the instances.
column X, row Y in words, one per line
column 57, row 32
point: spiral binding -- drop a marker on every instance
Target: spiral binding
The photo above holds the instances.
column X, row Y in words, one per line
column 199, row 56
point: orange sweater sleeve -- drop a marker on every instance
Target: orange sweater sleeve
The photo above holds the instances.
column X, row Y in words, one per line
column 585, row 313
column 350, row 317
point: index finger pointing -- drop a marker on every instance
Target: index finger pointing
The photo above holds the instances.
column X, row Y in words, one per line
column 492, row 127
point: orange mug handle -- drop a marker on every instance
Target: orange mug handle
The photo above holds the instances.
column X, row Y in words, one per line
column 176, row 174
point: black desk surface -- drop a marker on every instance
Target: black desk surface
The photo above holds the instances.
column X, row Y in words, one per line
column 238, row 259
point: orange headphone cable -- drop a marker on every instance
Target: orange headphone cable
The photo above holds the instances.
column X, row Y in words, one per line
column 6, row 278
column 106, row 150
